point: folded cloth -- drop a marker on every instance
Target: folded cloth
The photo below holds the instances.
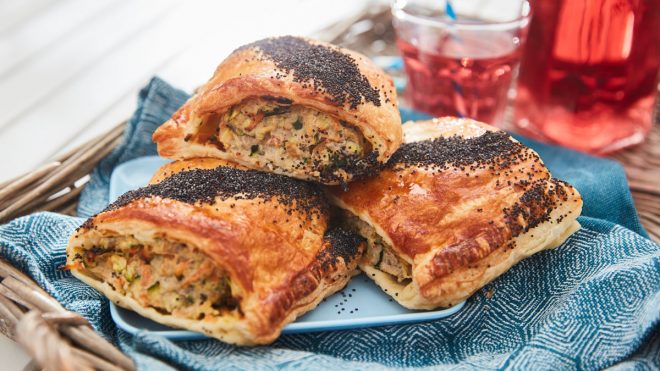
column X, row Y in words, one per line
column 591, row 303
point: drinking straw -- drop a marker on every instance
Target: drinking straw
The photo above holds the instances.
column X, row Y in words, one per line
column 449, row 10
column 460, row 101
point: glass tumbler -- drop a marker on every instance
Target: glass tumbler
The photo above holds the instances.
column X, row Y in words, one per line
column 460, row 58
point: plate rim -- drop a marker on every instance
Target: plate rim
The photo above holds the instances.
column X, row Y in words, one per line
column 300, row 327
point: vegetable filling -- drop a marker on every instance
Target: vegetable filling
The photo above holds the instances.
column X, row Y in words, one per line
column 274, row 133
column 380, row 254
column 158, row 275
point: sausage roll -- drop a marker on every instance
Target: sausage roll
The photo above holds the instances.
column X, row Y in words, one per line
column 456, row 206
column 233, row 253
column 291, row 106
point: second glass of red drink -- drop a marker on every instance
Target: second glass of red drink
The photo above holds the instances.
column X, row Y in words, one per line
column 460, row 59
column 589, row 74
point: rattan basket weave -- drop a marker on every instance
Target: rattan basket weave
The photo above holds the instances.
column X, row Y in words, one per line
column 62, row 340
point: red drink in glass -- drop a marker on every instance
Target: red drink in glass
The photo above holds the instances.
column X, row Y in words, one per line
column 460, row 67
column 589, row 74
column 445, row 85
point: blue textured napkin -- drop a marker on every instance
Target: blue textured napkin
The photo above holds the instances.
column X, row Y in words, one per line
column 591, row 303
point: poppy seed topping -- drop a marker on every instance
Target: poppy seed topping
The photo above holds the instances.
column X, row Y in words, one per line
column 205, row 185
column 325, row 68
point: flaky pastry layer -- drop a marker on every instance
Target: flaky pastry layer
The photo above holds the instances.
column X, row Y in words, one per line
column 458, row 205
column 246, row 252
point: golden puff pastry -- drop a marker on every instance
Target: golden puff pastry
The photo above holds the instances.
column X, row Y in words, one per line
column 235, row 254
column 291, row 106
column 456, row 206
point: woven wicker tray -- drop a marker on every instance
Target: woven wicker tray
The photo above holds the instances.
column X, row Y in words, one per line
column 55, row 337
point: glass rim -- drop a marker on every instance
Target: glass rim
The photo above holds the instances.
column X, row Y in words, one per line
column 399, row 13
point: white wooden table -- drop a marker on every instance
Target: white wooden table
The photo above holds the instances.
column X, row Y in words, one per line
column 71, row 69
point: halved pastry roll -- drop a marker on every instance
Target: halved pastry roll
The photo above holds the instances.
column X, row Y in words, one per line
column 292, row 106
column 229, row 252
column 456, row 206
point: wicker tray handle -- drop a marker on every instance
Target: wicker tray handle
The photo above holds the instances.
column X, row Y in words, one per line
column 54, row 337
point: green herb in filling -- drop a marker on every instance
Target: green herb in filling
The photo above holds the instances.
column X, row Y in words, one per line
column 298, row 124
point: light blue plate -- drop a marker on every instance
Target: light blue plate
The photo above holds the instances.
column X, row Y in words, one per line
column 360, row 304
